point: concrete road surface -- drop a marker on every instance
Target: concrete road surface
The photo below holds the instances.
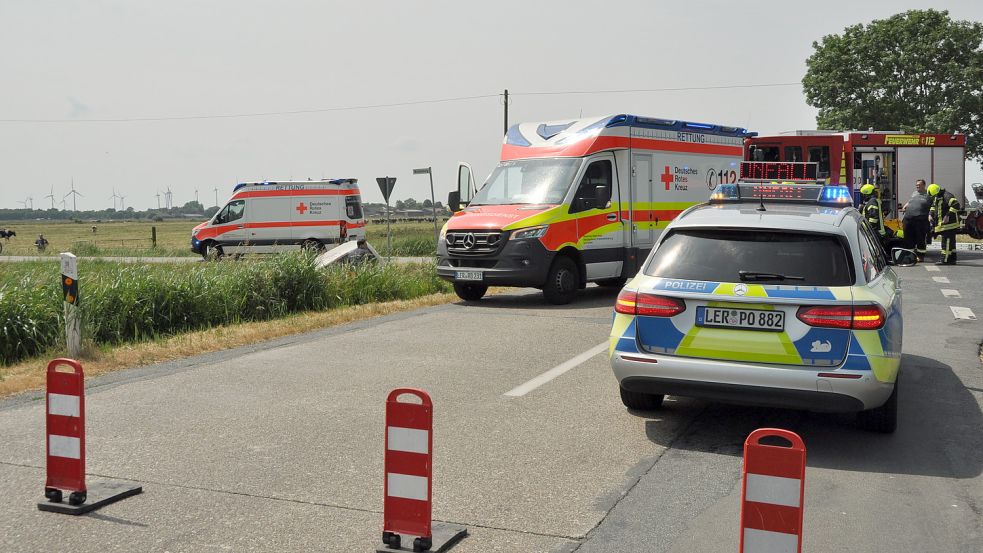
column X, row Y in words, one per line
column 278, row 447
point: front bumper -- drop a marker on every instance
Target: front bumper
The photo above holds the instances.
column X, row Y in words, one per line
column 517, row 263
column 195, row 245
column 750, row 384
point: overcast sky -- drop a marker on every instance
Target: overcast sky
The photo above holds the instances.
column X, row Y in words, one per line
column 92, row 59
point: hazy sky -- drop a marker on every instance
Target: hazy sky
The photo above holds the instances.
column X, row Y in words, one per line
column 94, row 59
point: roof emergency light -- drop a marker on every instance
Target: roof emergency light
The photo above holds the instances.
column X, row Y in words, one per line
column 782, row 182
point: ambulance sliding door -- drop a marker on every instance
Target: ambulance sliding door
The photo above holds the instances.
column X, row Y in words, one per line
column 641, row 197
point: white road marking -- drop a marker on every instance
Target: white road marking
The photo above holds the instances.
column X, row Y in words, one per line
column 950, row 293
column 963, row 313
column 932, row 268
column 556, row 371
column 941, row 280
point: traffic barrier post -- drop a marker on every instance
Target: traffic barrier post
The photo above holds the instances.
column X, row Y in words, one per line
column 772, row 493
column 408, row 482
column 65, row 446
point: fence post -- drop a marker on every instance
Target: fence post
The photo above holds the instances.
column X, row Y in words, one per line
column 70, row 292
column 153, row 237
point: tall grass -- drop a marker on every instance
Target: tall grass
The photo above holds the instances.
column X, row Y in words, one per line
column 129, row 302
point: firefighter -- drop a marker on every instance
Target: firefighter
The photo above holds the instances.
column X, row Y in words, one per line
column 945, row 221
column 872, row 212
column 916, row 227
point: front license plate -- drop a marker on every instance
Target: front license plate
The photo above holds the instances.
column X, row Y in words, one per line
column 742, row 319
column 468, row 275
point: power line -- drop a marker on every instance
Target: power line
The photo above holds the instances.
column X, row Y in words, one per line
column 390, row 105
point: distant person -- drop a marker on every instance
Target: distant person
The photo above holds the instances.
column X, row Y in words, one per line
column 945, row 221
column 41, row 243
column 916, row 227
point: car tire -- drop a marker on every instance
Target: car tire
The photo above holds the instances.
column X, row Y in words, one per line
column 641, row 401
column 470, row 292
column 213, row 252
column 883, row 419
column 612, row 282
column 562, row 281
column 312, row 245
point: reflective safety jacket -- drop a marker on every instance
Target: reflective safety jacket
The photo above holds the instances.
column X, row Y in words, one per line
column 874, row 215
column 945, row 211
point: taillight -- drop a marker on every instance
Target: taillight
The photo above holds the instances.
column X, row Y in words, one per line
column 650, row 305
column 861, row 317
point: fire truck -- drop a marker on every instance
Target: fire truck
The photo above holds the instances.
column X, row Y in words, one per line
column 892, row 160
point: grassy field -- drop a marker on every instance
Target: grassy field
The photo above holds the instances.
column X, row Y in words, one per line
column 132, row 238
column 124, row 303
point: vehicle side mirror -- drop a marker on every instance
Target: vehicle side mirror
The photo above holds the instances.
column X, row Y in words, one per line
column 602, row 195
column 454, row 201
column 903, row 257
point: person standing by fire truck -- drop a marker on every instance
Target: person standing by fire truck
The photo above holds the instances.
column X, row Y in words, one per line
column 874, row 214
column 945, row 221
column 916, row 227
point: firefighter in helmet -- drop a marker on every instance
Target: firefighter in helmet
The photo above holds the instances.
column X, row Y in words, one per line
column 945, row 221
column 874, row 214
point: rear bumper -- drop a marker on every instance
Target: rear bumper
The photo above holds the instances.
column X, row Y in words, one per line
column 518, row 263
column 747, row 384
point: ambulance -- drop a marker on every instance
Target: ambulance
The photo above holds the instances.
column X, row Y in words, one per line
column 580, row 200
column 267, row 217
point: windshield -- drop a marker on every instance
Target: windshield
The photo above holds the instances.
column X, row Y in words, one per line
column 774, row 257
column 528, row 181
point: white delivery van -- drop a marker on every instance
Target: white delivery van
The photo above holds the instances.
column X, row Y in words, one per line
column 267, row 217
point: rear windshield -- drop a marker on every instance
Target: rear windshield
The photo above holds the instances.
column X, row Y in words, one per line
column 721, row 255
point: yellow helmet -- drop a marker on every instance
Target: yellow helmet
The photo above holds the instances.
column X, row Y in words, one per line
column 867, row 189
column 933, row 189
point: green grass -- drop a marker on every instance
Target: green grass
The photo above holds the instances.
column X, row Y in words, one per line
column 133, row 302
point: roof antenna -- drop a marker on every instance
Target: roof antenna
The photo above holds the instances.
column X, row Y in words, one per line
column 761, row 200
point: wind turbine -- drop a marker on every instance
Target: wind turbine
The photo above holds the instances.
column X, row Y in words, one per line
column 74, row 194
column 114, row 197
column 23, row 203
column 216, row 196
column 63, row 204
column 122, row 206
column 52, row 196
column 31, row 201
column 169, row 198
column 196, row 195
column 158, row 199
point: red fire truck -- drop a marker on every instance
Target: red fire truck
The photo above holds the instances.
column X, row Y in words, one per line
column 890, row 159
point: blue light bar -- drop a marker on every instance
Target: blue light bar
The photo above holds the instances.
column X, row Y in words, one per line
column 837, row 196
column 698, row 126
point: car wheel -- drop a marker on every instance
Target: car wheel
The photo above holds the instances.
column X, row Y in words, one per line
column 641, row 401
column 470, row 292
column 312, row 245
column 882, row 419
column 612, row 282
column 213, row 252
column 562, row 281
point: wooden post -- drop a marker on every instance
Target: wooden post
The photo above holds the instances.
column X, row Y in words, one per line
column 70, row 291
column 153, row 237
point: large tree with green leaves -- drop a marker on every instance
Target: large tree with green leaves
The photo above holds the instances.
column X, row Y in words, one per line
column 917, row 71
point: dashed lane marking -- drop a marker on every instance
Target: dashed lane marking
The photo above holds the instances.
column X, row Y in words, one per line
column 556, row 371
column 941, row 280
column 932, row 268
column 963, row 313
column 950, row 293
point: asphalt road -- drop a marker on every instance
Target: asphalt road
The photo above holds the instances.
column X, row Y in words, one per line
column 278, row 446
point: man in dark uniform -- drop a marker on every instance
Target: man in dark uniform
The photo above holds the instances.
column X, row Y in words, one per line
column 872, row 212
column 916, row 227
column 945, row 216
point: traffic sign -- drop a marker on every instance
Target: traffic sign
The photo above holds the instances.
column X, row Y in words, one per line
column 386, row 185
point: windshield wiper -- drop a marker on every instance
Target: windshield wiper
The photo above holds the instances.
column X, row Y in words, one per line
column 751, row 276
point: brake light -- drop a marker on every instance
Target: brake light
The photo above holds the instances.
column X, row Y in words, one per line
column 861, row 317
column 650, row 305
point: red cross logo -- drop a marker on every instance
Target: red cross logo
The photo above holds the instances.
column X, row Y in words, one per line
column 667, row 178
column 301, row 208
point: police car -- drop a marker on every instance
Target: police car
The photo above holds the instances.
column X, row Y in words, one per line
column 774, row 293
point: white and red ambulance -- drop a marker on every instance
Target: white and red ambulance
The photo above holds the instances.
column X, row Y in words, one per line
column 267, row 217
column 580, row 200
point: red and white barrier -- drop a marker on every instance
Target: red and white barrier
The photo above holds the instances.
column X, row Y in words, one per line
column 407, row 504
column 773, row 489
column 65, row 431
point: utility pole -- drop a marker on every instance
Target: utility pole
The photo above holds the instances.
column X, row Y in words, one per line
column 506, row 95
column 216, row 196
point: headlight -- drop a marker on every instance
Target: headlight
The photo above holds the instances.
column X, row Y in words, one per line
column 531, row 232
column 443, row 232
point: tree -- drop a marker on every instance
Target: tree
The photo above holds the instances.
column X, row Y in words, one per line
column 427, row 204
column 917, row 71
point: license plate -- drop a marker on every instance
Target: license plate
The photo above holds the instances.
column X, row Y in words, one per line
column 468, row 275
column 746, row 319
